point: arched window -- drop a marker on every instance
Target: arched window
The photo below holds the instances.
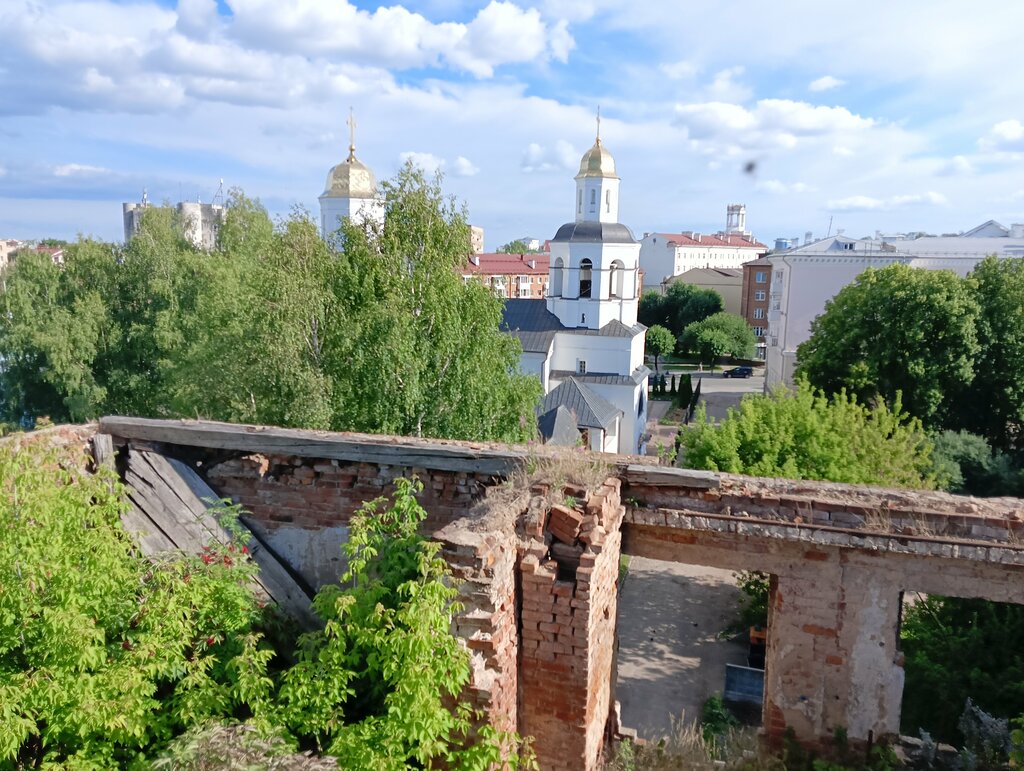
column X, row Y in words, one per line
column 586, row 277
column 593, row 196
column 608, row 201
column 579, row 202
column 556, row 278
column 616, row 276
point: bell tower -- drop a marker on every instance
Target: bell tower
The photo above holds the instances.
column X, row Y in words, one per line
column 597, row 185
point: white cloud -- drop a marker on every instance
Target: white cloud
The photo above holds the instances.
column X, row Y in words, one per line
column 724, row 88
column 78, row 170
column 429, row 162
column 392, row 36
column 682, row 70
column 841, row 151
column 861, row 203
column 559, row 157
column 777, row 187
column 958, row 165
column 1005, row 136
column 463, row 167
column 825, row 83
column 771, row 123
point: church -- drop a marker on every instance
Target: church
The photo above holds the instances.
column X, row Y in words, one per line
column 582, row 340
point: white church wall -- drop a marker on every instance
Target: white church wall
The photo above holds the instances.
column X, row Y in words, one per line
column 601, row 354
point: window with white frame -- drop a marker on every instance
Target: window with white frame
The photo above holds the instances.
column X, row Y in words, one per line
column 759, row 331
column 758, row 313
column 581, row 366
column 759, row 294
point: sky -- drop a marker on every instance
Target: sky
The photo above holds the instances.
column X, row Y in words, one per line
column 857, row 115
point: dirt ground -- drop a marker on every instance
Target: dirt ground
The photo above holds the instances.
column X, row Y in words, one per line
column 671, row 658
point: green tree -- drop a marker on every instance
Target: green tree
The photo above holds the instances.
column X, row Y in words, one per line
column 105, row 654
column 898, row 330
column 518, row 246
column 955, row 649
column 999, row 369
column 972, row 467
column 659, row 342
column 681, row 305
column 275, row 326
column 719, row 335
column 807, row 435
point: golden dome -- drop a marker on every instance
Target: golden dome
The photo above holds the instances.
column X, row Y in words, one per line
column 597, row 162
column 350, row 179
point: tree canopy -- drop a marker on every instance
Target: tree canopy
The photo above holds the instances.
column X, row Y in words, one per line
column 721, row 334
column 659, row 342
column 808, row 435
column 274, row 326
column 679, row 307
column 998, row 382
column 898, row 330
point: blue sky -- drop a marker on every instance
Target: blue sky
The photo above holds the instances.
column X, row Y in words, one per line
column 874, row 115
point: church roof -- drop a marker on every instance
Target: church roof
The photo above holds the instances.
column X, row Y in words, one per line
column 536, row 326
column 597, row 162
column 350, row 179
column 604, row 378
column 595, row 233
column 532, row 323
column 558, row 427
column 589, row 409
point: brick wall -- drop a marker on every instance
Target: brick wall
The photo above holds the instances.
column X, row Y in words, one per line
column 314, row 493
column 540, row 585
column 569, row 592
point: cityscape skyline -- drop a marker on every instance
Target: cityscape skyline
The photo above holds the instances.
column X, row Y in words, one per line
column 869, row 118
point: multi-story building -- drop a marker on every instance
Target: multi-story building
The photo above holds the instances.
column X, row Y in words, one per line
column 728, row 282
column 754, row 298
column 665, row 255
column 511, row 275
column 583, row 340
column 200, row 221
column 805, row 278
column 8, row 247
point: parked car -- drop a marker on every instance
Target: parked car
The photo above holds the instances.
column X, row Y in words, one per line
column 739, row 372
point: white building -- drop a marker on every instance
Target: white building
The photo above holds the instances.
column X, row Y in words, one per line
column 805, row 278
column 350, row 192
column 8, row 246
column 200, row 222
column 665, row 255
column 583, row 340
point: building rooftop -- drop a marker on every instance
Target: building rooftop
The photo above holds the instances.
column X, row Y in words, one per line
column 594, row 233
column 589, row 409
column 487, row 263
column 536, row 326
column 691, row 238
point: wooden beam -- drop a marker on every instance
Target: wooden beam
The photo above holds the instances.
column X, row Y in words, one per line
column 365, row 448
column 174, row 509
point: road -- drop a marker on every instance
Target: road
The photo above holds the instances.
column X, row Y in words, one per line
column 670, row 658
column 717, row 393
column 720, row 393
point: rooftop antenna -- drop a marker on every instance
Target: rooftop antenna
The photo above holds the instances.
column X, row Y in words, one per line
column 829, row 227
column 351, row 134
column 145, row 198
column 219, row 196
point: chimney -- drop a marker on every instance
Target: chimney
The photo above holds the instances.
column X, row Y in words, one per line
column 475, row 259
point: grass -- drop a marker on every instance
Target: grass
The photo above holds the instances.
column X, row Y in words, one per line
column 623, row 569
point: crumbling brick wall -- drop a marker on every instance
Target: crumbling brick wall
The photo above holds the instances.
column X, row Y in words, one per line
column 540, row 602
column 313, row 493
column 569, row 593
